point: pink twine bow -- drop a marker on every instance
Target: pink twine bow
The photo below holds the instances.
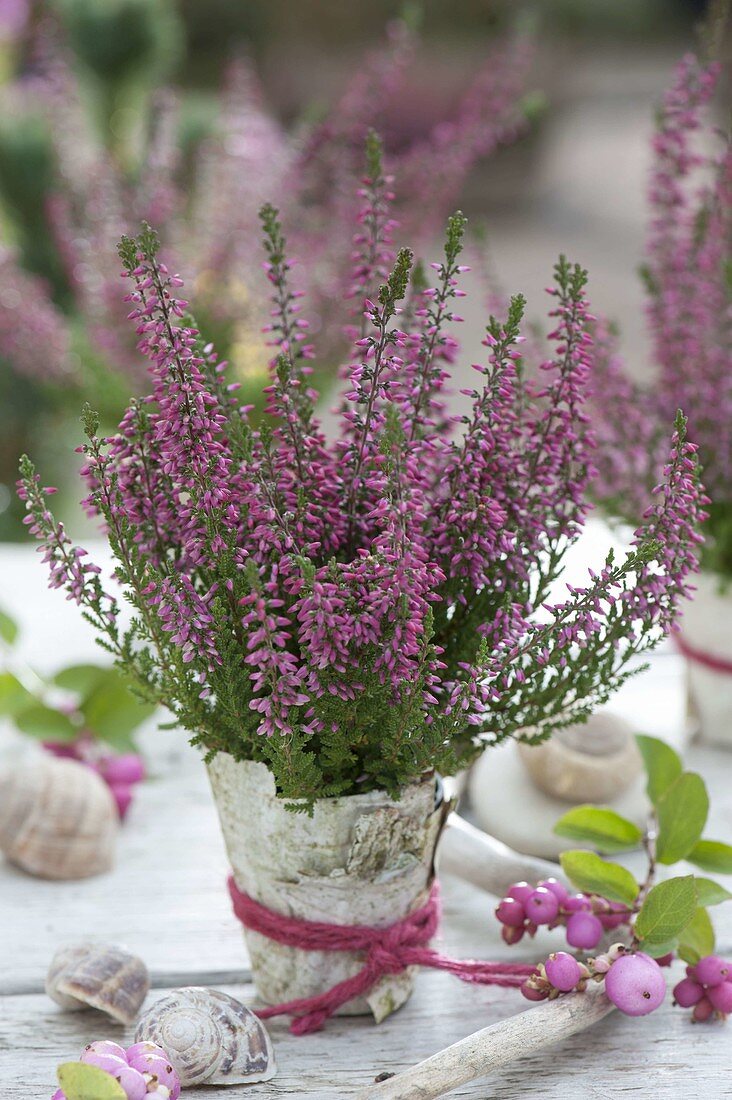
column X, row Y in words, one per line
column 387, row 950
column 699, row 657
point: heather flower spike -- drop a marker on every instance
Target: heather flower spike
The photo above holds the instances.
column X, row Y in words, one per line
column 688, row 301
column 360, row 611
column 209, row 225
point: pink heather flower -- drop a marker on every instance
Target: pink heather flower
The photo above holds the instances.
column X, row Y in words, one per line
column 689, row 311
column 34, row 337
column 210, row 227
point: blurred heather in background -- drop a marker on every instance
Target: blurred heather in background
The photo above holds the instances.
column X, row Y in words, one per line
column 534, row 118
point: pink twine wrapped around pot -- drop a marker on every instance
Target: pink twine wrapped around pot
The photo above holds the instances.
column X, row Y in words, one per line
column 387, row 950
column 699, row 657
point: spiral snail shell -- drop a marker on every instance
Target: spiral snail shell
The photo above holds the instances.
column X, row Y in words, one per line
column 98, row 975
column 57, row 818
column 209, row 1037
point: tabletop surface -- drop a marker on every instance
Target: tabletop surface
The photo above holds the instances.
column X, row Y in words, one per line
column 166, row 899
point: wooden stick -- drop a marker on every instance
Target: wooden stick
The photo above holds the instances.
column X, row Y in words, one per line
column 472, row 855
column 487, row 1050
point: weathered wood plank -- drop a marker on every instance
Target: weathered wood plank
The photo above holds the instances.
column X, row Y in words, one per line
column 663, row 1054
column 165, row 898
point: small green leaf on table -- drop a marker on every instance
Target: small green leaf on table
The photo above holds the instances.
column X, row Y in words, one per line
column 712, row 855
column 80, row 1081
column 709, row 892
column 682, row 815
column 603, row 828
column 697, row 939
column 663, row 766
column 8, row 628
column 41, row 721
column 666, row 911
column 593, row 875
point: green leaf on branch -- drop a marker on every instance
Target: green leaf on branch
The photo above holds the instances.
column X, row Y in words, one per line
column 80, row 1081
column 602, row 828
column 697, row 939
column 41, row 721
column 663, row 766
column 658, row 950
column 667, row 910
column 712, row 855
column 8, row 628
column 13, row 696
column 593, row 875
column 682, row 815
column 709, row 892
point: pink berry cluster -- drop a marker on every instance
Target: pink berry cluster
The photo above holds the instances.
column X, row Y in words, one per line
column 585, row 917
column 707, row 988
column 120, row 771
column 143, row 1070
column 633, row 980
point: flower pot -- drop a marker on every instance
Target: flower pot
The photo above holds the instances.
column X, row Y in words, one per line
column 361, row 859
column 706, row 640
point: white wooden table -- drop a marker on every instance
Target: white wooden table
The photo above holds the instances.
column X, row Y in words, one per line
column 166, row 900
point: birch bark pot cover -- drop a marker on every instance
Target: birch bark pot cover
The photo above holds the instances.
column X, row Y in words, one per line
column 360, row 859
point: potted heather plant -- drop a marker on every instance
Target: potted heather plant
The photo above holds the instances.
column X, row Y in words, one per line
column 687, row 280
column 336, row 622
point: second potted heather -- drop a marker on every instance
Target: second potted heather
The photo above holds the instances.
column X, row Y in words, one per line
column 687, row 279
column 336, row 622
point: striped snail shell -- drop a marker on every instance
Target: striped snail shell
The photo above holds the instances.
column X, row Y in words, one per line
column 209, row 1037
column 98, row 975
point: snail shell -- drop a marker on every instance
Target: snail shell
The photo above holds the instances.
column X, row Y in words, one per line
column 57, row 818
column 209, row 1037
column 98, row 975
column 594, row 762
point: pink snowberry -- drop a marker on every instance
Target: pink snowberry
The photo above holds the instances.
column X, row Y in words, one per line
column 532, row 992
column 721, row 997
column 103, row 1046
column 521, row 891
column 511, row 912
column 542, row 907
column 511, row 935
column 560, row 892
column 635, row 984
column 126, row 768
column 688, row 993
column 577, row 903
column 615, row 915
column 133, row 1082
column 703, row 1009
column 151, row 1059
column 122, row 794
column 712, row 970
column 584, row 930
column 563, row 971
column 110, row 1063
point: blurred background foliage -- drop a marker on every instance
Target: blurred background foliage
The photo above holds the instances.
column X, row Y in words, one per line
column 124, row 50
